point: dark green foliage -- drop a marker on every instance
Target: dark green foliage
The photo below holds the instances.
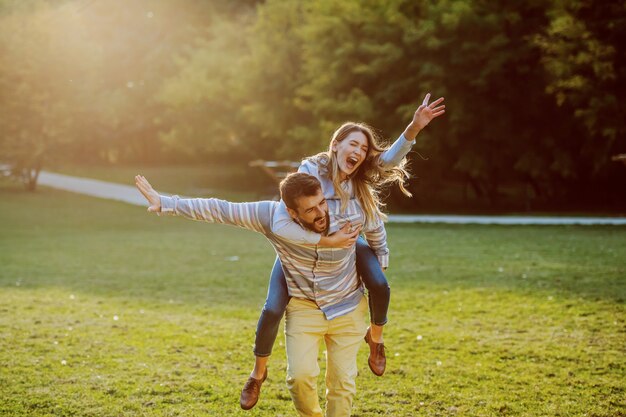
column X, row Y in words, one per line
column 533, row 89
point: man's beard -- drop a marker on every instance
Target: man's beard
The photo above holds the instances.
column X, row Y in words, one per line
column 311, row 226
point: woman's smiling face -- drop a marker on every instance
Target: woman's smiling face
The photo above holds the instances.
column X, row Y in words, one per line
column 351, row 152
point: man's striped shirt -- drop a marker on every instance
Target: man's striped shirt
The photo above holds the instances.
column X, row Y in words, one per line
column 324, row 275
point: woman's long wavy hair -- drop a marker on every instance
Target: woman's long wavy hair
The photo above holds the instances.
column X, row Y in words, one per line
column 369, row 179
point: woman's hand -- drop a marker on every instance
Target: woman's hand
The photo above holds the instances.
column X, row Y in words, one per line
column 343, row 238
column 423, row 116
column 154, row 200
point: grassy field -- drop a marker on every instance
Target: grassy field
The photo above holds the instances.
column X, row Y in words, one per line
column 108, row 311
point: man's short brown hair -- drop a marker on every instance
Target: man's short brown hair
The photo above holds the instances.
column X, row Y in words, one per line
column 298, row 185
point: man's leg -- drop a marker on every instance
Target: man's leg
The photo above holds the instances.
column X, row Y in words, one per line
column 343, row 340
column 305, row 326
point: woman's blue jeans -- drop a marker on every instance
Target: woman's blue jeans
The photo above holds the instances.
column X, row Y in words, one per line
column 368, row 268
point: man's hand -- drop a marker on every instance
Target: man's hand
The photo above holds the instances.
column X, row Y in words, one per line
column 343, row 238
column 423, row 116
column 149, row 193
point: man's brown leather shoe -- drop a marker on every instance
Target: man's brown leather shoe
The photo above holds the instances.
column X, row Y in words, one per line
column 377, row 360
column 251, row 391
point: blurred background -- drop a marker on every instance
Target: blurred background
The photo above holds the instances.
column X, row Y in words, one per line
column 198, row 89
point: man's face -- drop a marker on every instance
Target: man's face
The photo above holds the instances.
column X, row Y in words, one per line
column 312, row 212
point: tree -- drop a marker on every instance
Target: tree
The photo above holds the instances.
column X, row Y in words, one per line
column 200, row 114
column 236, row 86
column 80, row 79
column 37, row 68
column 582, row 53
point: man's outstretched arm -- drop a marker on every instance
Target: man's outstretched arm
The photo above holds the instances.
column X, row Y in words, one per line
column 253, row 216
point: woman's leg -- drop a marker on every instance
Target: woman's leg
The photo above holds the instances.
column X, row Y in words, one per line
column 273, row 311
column 266, row 331
column 372, row 275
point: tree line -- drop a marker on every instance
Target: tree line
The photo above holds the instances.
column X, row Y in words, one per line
column 532, row 89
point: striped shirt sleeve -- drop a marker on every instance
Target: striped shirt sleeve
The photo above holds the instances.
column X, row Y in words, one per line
column 284, row 226
column 252, row 216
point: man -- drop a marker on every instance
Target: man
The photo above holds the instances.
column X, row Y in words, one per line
column 327, row 300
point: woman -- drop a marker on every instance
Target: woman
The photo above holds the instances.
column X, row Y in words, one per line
column 355, row 166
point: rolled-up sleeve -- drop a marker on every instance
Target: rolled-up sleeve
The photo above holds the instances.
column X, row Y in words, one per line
column 396, row 152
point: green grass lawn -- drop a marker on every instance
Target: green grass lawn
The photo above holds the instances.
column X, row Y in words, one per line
column 108, row 311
